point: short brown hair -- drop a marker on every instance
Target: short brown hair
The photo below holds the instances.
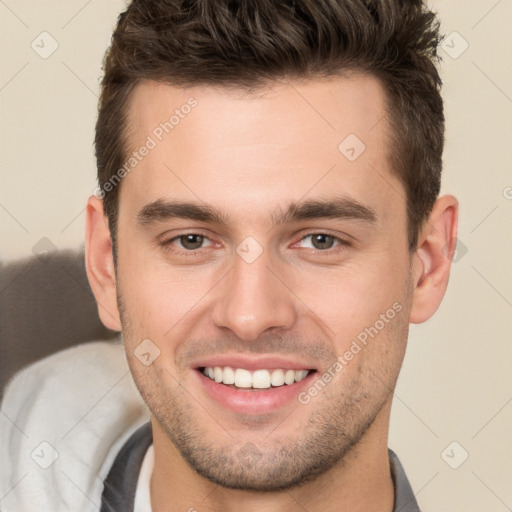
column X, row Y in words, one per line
column 248, row 43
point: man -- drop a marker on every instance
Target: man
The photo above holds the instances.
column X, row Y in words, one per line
column 266, row 226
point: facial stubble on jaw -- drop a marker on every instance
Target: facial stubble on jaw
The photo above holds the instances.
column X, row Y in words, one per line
column 258, row 463
column 261, row 460
column 255, row 461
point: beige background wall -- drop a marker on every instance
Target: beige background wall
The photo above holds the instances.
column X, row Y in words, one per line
column 456, row 383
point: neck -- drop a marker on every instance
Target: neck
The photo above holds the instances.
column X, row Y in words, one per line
column 361, row 481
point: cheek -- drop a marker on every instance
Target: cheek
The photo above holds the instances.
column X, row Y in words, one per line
column 155, row 294
column 352, row 297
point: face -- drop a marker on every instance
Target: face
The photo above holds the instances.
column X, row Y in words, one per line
column 260, row 241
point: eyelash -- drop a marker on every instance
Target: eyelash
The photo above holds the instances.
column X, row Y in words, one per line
column 168, row 246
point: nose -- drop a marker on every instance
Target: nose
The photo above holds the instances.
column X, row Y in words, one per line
column 254, row 298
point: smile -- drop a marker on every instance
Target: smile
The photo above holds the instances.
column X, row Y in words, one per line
column 241, row 378
column 255, row 391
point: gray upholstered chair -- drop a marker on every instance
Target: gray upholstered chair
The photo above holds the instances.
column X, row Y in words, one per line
column 46, row 304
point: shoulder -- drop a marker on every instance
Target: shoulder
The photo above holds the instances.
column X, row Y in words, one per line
column 66, row 364
column 63, row 420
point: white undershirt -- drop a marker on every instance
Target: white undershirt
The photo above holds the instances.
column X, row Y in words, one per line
column 142, row 494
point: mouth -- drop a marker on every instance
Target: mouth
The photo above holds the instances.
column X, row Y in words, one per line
column 261, row 379
column 254, row 391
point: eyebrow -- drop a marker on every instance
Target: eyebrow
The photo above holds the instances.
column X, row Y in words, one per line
column 343, row 208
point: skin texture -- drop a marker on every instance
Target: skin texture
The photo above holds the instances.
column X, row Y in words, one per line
column 250, row 156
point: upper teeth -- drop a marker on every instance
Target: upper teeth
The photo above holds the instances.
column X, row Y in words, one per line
column 260, row 379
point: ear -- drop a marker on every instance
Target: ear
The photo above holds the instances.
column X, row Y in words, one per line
column 432, row 261
column 100, row 264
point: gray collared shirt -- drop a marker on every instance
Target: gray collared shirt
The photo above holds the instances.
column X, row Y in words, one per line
column 404, row 497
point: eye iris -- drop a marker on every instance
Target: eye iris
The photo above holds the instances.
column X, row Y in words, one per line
column 191, row 241
column 322, row 241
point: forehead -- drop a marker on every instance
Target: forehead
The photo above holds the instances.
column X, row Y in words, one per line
column 310, row 110
column 246, row 152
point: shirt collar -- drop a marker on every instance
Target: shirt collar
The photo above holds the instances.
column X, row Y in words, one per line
column 405, row 500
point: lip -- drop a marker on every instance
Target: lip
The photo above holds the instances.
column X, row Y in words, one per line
column 254, row 363
column 253, row 402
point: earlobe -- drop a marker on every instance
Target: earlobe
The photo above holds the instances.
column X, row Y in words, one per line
column 100, row 265
column 432, row 260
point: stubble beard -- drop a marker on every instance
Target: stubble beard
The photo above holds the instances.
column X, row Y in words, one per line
column 254, row 462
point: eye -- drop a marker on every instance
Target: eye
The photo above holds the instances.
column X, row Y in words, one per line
column 323, row 241
column 190, row 242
